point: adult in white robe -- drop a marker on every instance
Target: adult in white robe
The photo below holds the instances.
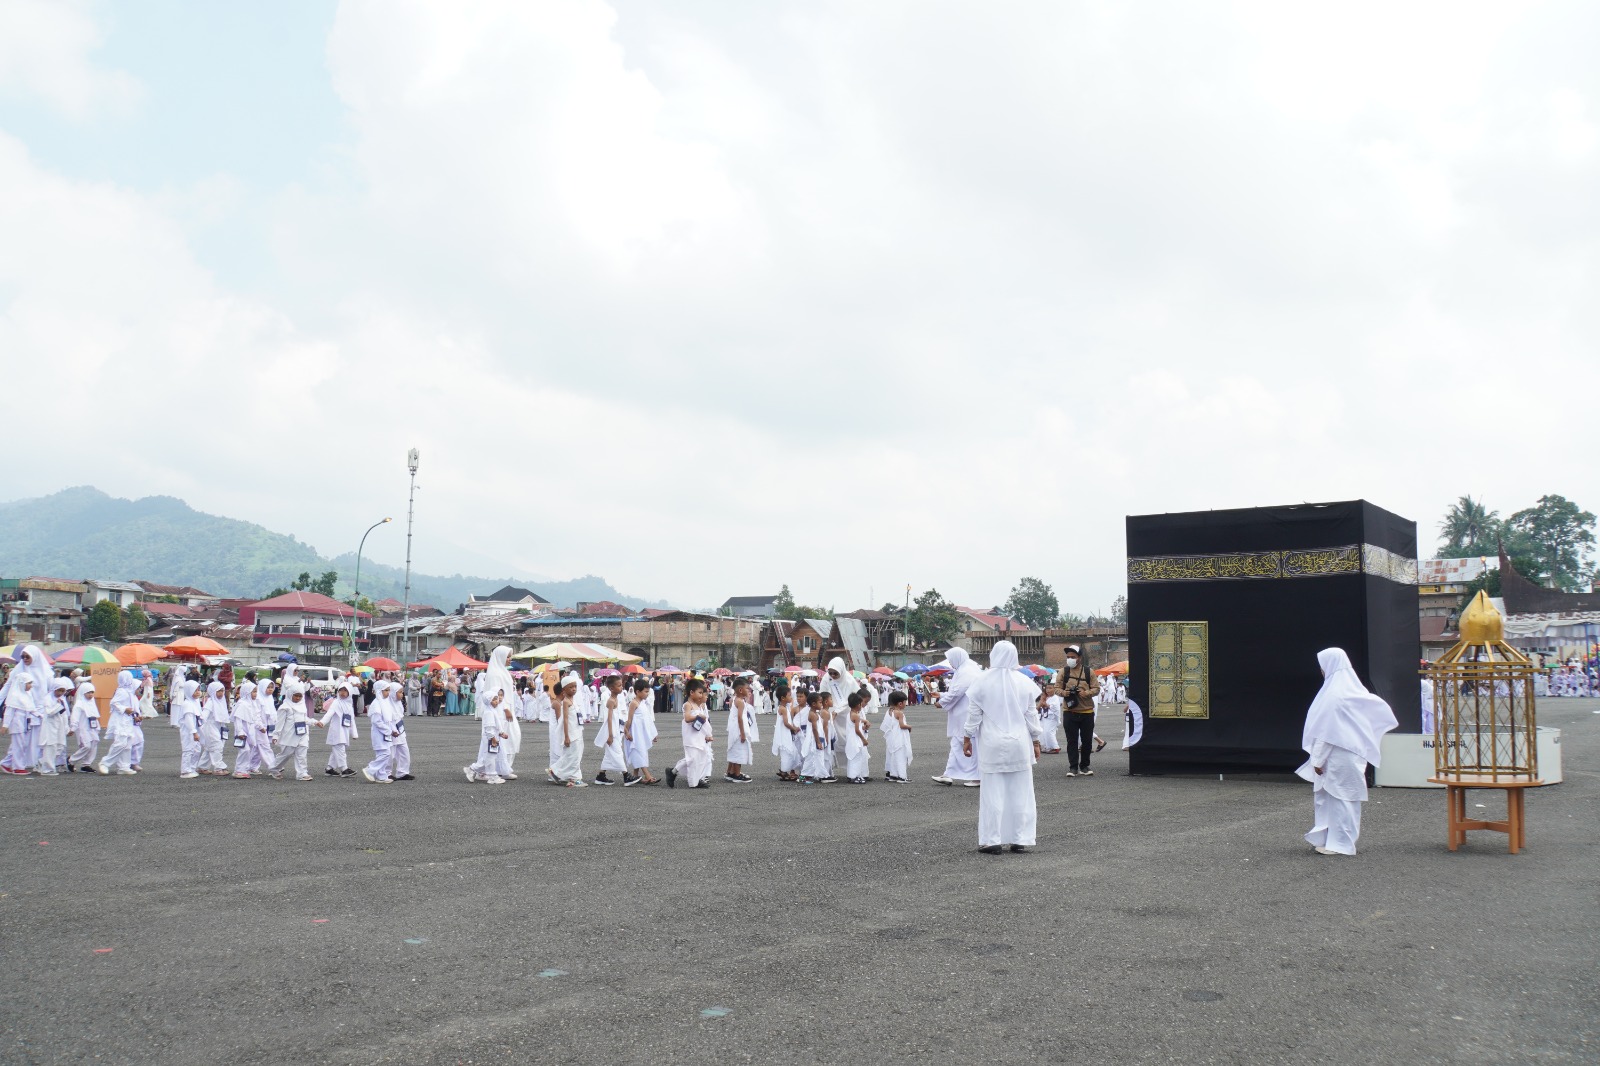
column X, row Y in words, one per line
column 497, row 677
column 1344, row 727
column 1002, row 704
column 962, row 765
column 839, row 683
column 23, row 697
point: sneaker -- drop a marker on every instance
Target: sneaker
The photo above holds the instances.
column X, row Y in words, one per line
column 347, row 772
column 98, row 769
column 303, row 777
column 1087, row 773
column 898, row 780
column 368, row 775
column 406, row 777
column 858, row 780
column 276, row 775
column 992, row 849
column 384, row 780
column 743, row 779
column 804, row 781
column 494, row 779
column 1072, row 773
column 940, row 779
column 703, row 784
column 1019, row 848
column 601, row 779
column 503, row 777
column 190, row 776
column 471, row 774
column 970, row 784
column 672, row 777
column 636, row 779
column 331, row 772
column 127, row 773
column 830, row 779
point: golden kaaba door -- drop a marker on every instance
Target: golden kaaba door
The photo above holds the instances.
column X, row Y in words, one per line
column 1180, row 670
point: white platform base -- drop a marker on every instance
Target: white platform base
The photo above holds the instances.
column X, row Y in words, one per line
column 1408, row 759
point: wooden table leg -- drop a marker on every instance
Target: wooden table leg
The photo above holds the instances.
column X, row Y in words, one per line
column 1514, row 816
column 1453, row 795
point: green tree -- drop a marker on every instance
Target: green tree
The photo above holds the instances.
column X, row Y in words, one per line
column 1119, row 610
column 1070, row 621
column 933, row 619
column 103, row 620
column 1559, row 538
column 1033, row 603
column 1469, row 528
column 302, row 583
column 325, row 583
column 783, row 606
column 136, row 621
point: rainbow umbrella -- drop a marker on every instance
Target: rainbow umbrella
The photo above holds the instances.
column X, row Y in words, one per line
column 84, row 655
column 8, row 653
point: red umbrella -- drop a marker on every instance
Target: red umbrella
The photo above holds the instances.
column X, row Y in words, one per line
column 378, row 662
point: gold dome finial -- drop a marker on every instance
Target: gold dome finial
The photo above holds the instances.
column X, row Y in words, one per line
column 1480, row 623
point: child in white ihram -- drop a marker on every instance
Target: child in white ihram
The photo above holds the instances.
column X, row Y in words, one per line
column 814, row 741
column 566, row 766
column 1050, row 709
column 896, row 739
column 608, row 736
column 743, row 732
column 786, row 733
column 339, row 719
column 695, row 766
column 639, row 734
column 857, row 758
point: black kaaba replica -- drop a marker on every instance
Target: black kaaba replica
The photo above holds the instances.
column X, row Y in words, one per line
column 1228, row 609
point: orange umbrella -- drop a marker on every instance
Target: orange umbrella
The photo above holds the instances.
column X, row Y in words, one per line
column 452, row 657
column 139, row 654
column 634, row 668
column 378, row 662
column 1114, row 668
column 194, row 646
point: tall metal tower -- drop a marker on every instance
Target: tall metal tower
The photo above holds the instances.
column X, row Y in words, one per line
column 411, row 510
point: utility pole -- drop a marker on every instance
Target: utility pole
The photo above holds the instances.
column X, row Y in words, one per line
column 411, row 510
column 906, row 621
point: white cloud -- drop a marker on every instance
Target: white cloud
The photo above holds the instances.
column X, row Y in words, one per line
column 45, row 50
column 848, row 296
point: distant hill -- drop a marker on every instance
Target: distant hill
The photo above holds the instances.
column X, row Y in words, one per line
column 84, row 533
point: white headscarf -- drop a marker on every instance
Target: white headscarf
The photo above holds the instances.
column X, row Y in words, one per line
column 125, row 697
column 1009, row 703
column 496, row 678
column 1344, row 713
column 963, row 671
column 190, row 687
column 37, row 671
column 84, row 697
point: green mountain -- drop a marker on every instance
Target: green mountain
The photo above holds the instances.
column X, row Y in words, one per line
column 84, row 533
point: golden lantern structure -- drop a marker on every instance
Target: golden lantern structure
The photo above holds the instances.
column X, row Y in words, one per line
column 1484, row 722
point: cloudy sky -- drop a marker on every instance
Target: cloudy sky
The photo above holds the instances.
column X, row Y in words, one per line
column 707, row 297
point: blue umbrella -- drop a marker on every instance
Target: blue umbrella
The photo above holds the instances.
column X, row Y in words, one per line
column 285, row 657
column 914, row 668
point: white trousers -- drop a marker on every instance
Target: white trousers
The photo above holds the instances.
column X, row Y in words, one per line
column 189, row 760
column 400, row 752
column 88, row 743
column 1337, row 823
column 24, row 751
column 49, row 755
column 1049, row 741
column 138, row 745
column 120, row 755
column 382, row 764
column 1006, row 810
column 962, row 767
column 491, row 763
column 297, row 752
column 211, row 748
column 339, row 756
column 694, row 767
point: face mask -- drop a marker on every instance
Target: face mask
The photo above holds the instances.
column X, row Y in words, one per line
column 1071, row 663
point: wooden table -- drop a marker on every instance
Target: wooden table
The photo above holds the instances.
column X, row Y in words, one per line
column 1456, row 790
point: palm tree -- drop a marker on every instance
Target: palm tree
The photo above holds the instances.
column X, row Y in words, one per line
column 1469, row 528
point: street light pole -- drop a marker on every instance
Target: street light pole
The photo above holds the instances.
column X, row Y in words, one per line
column 411, row 508
column 355, row 611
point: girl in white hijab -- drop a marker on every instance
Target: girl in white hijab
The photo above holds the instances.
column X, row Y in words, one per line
column 339, row 719
column 962, row 766
column 188, row 716
column 1343, row 730
column 245, row 726
column 214, row 716
column 118, row 758
column 85, row 727
column 1003, row 704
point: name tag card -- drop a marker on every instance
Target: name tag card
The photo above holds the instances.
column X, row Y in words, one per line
column 299, row 729
column 238, row 742
column 347, row 720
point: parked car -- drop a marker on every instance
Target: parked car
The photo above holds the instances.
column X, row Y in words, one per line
column 321, row 678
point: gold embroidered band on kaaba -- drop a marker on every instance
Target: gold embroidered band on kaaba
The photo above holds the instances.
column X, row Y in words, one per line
column 1249, row 566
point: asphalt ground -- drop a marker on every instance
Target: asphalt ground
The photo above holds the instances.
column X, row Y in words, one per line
column 1182, row 920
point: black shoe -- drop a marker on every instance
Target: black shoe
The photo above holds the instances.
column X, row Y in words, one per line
column 347, row 772
column 331, row 772
column 744, row 778
column 703, row 784
column 601, row 779
column 992, row 849
column 1019, row 848
column 406, row 777
column 672, row 778
column 1099, row 746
